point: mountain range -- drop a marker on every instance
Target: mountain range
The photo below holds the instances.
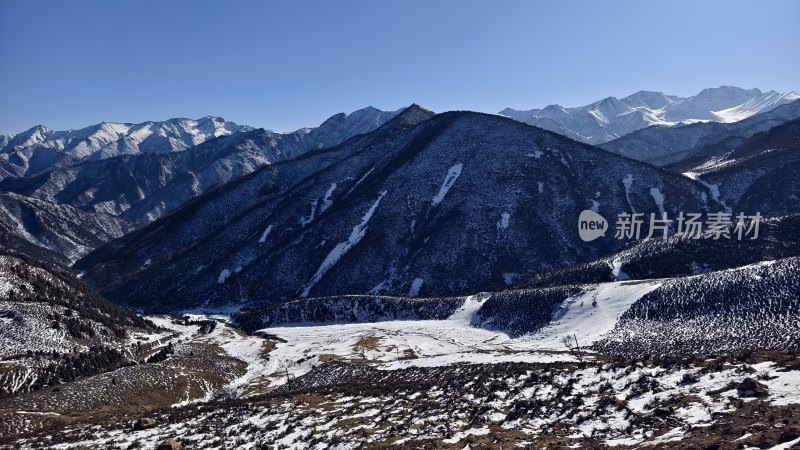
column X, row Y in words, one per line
column 612, row 118
column 184, row 277
column 682, row 147
column 135, row 189
column 401, row 203
column 40, row 148
column 418, row 207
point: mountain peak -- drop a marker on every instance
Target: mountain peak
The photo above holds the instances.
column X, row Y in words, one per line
column 724, row 97
column 411, row 115
column 648, row 99
column 553, row 111
column 31, row 136
column 415, row 108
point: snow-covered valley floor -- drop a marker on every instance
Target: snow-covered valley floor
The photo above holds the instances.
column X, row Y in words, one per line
column 426, row 343
column 416, row 384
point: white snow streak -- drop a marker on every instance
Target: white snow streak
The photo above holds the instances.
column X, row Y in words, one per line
column 343, row 247
column 713, row 188
column 628, row 182
column 449, row 180
column 326, row 201
column 307, row 220
column 502, row 224
column 264, row 235
column 659, row 199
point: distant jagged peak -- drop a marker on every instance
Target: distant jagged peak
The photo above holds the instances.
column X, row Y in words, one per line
column 553, row 111
column 724, row 97
column 611, row 118
column 32, row 136
column 649, row 99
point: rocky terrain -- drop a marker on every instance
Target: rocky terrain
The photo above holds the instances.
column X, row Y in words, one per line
column 659, row 404
column 55, row 329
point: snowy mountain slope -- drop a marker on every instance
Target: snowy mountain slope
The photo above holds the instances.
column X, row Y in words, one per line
column 678, row 256
column 750, row 308
column 40, row 148
column 611, row 118
column 143, row 187
column 417, row 211
column 203, row 218
column 760, row 175
column 682, row 147
column 52, row 232
column 46, row 312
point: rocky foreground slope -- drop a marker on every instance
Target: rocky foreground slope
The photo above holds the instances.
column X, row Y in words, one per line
column 54, row 329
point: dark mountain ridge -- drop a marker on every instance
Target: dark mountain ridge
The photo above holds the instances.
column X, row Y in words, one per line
column 461, row 202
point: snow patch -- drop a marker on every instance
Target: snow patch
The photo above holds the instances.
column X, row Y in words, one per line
column 223, row 276
column 590, row 314
column 466, row 314
column 628, row 182
column 326, row 201
column 415, row 286
column 536, row 154
column 616, row 270
column 341, row 248
column 502, row 224
column 264, row 235
column 659, row 199
column 307, row 220
column 449, row 180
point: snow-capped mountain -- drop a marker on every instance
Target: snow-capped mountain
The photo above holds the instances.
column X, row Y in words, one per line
column 142, row 187
column 414, row 208
column 40, row 148
column 53, row 232
column 686, row 146
column 403, row 266
column 760, row 175
column 611, row 118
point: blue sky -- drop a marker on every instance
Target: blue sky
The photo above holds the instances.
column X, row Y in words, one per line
column 292, row 64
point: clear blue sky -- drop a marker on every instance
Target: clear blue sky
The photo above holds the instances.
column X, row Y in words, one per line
column 68, row 64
